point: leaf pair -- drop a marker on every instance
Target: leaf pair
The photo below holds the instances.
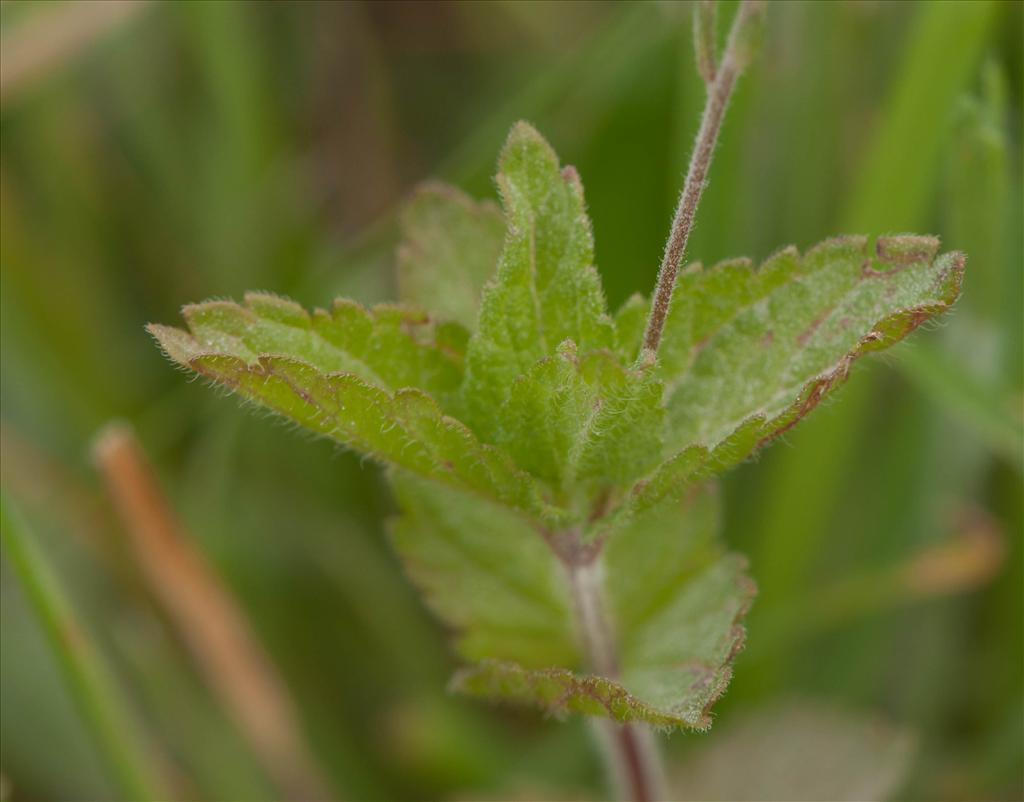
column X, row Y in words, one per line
column 522, row 417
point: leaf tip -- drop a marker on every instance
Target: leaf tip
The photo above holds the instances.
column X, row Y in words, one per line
column 952, row 275
column 523, row 130
column 177, row 345
column 525, row 139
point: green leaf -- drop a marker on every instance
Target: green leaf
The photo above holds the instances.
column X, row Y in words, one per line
column 742, row 343
column 630, row 322
column 485, row 572
column 622, row 437
column 450, row 247
column 674, row 601
column 546, row 290
column 329, row 374
column 748, row 353
column 508, row 527
column 389, row 346
column 575, row 419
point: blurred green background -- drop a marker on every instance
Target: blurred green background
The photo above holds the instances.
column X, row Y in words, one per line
column 157, row 154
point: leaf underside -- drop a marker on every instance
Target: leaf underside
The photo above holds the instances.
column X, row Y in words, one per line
column 674, row 599
column 521, row 416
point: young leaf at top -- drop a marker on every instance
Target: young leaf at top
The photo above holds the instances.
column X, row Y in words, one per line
column 546, row 290
column 674, row 602
column 449, row 249
column 583, row 420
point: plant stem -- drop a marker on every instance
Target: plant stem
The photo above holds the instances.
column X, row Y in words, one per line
column 738, row 52
column 585, row 580
column 83, row 671
column 630, row 749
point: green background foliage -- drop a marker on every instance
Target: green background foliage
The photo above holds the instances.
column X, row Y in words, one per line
column 203, row 150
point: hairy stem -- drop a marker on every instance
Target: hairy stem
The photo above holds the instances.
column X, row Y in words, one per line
column 738, row 52
column 630, row 749
column 585, row 579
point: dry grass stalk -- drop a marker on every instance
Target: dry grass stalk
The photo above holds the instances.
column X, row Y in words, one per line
column 207, row 617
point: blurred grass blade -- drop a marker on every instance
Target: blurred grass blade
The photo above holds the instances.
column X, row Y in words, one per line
column 207, row 617
column 87, row 677
column 993, row 415
column 51, row 38
column 598, row 75
column 899, row 175
column 981, row 199
column 805, row 484
column 967, row 560
column 978, row 190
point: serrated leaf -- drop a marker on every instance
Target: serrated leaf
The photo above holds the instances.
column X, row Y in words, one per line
column 673, row 599
column 748, row 353
column 546, row 290
column 449, row 249
column 388, row 346
column 485, row 572
column 579, row 419
column 741, row 343
column 405, row 427
column 577, row 436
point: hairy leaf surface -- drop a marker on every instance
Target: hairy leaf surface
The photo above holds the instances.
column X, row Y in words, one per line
column 586, row 418
column 304, row 378
column 389, row 346
column 546, row 290
column 748, row 353
column 674, row 602
column 485, row 572
column 450, row 247
column 585, row 462
column 741, row 343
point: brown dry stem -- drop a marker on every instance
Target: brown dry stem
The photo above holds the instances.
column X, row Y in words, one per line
column 207, row 617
